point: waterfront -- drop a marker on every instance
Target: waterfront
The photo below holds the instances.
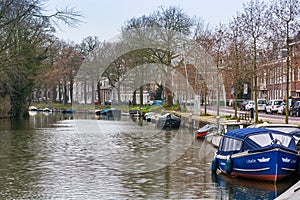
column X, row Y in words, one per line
column 57, row 156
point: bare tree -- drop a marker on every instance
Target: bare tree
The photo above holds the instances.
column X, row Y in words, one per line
column 89, row 47
column 254, row 22
column 236, row 61
column 218, row 52
column 164, row 30
column 287, row 16
column 204, row 37
column 26, row 34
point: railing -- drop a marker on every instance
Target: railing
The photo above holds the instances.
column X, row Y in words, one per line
column 244, row 116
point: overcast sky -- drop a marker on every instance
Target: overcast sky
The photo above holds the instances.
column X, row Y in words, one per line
column 104, row 18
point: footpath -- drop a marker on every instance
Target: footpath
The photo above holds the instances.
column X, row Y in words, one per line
column 229, row 111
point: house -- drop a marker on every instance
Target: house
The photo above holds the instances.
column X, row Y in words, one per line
column 272, row 75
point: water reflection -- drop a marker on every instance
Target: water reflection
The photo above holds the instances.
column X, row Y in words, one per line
column 80, row 157
column 232, row 188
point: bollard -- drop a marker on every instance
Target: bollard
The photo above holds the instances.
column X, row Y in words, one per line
column 190, row 118
column 218, row 121
column 190, row 121
column 252, row 114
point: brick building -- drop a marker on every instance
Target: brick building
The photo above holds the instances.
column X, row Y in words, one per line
column 272, row 76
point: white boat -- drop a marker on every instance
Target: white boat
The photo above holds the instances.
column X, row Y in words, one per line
column 225, row 126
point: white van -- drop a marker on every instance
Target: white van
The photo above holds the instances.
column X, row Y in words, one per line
column 261, row 104
column 273, row 105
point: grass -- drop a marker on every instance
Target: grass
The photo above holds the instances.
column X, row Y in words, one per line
column 85, row 107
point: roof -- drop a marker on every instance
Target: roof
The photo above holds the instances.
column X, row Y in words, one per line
column 244, row 132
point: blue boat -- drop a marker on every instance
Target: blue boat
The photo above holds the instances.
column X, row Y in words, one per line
column 101, row 112
column 68, row 111
column 257, row 153
column 112, row 113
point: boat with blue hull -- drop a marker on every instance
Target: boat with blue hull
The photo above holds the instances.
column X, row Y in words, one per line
column 257, row 153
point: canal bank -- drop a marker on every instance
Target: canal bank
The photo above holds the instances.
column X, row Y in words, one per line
column 292, row 193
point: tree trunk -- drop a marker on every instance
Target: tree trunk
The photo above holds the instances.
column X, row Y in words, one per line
column 46, row 96
column 54, row 93
column 93, row 92
column 255, row 79
column 84, row 92
column 205, row 99
column 60, row 92
column 98, row 93
column 71, row 91
column 287, row 74
column 119, row 92
column 141, row 95
column 169, row 96
column 134, row 98
column 65, row 93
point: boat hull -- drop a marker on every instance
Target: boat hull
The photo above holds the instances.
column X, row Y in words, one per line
column 270, row 165
column 168, row 123
column 201, row 135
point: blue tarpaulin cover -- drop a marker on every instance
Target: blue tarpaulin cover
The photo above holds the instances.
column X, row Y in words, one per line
column 254, row 139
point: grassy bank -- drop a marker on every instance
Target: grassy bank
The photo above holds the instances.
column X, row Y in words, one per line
column 124, row 108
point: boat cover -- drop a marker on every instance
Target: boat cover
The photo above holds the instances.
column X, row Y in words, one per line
column 255, row 139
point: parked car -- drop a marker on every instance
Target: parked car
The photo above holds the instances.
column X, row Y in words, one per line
column 249, row 105
column 281, row 109
column 293, row 100
column 273, row 105
column 261, row 104
column 295, row 109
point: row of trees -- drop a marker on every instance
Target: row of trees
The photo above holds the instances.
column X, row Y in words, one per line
column 253, row 37
column 259, row 32
column 151, row 49
column 26, row 34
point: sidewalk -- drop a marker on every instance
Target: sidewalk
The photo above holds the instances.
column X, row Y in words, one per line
column 209, row 119
column 292, row 193
column 227, row 111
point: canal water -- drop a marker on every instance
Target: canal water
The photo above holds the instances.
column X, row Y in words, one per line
column 55, row 156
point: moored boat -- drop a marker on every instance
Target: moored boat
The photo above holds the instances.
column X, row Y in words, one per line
column 291, row 129
column 257, row 153
column 68, row 111
column 168, row 120
column 135, row 113
column 114, row 113
column 101, row 112
column 224, row 126
column 205, row 130
column 148, row 116
column 111, row 113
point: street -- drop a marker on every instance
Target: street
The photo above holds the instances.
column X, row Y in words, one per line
column 275, row 118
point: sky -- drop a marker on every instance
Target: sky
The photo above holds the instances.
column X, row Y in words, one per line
column 104, row 18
